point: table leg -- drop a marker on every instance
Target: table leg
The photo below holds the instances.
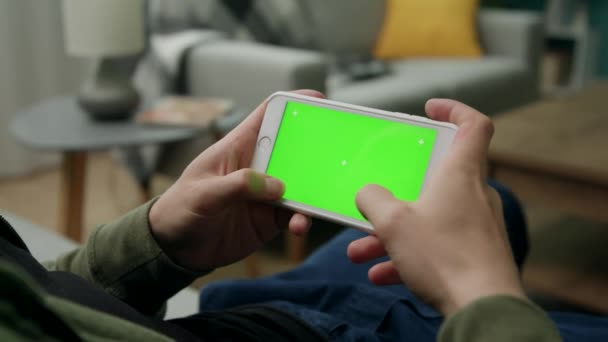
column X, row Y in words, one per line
column 73, row 171
column 136, row 164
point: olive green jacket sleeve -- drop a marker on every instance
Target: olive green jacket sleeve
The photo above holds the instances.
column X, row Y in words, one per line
column 124, row 259
column 498, row 319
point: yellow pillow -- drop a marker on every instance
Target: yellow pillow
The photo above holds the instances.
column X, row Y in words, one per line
column 429, row 28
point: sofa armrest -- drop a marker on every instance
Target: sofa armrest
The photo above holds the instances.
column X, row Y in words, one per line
column 249, row 72
column 46, row 245
column 518, row 34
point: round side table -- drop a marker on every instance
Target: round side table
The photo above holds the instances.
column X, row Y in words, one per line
column 58, row 124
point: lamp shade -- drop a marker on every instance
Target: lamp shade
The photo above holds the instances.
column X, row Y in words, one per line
column 103, row 28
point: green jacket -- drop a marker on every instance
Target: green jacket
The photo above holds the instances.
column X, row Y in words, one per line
column 123, row 258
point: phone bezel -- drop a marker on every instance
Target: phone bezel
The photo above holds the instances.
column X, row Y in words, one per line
column 272, row 121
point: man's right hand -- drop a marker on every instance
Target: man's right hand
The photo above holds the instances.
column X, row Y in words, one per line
column 450, row 246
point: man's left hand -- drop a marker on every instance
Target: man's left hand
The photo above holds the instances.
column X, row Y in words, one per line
column 217, row 212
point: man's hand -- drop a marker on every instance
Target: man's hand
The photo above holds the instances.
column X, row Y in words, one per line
column 450, row 247
column 215, row 214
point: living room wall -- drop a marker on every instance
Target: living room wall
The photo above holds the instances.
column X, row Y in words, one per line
column 598, row 15
column 518, row 4
column 598, row 10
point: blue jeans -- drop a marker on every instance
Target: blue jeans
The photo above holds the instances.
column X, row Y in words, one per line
column 334, row 295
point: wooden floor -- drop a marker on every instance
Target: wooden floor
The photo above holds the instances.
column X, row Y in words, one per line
column 568, row 256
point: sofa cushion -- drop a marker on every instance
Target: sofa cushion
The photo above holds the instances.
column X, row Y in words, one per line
column 345, row 27
column 43, row 243
column 391, row 92
column 491, row 84
column 286, row 18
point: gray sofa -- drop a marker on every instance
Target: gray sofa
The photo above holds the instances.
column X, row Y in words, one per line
column 505, row 77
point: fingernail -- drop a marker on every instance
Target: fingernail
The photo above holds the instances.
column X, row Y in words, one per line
column 274, row 187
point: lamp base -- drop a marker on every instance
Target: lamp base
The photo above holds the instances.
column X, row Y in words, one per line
column 109, row 96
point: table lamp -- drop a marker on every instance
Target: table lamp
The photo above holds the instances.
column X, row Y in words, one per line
column 110, row 31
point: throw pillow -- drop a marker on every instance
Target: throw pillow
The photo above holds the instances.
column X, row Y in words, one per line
column 429, row 28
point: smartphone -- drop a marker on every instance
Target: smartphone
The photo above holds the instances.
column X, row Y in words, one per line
column 326, row 151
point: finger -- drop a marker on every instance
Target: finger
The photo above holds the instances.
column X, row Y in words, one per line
column 299, row 224
column 365, row 249
column 375, row 203
column 475, row 130
column 247, row 184
column 384, row 273
column 265, row 221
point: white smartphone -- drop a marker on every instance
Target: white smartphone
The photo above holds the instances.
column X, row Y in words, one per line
column 326, row 151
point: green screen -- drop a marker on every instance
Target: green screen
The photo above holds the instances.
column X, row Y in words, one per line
column 325, row 156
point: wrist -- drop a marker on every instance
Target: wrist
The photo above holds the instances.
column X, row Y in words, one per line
column 155, row 223
column 154, row 217
column 177, row 242
column 467, row 292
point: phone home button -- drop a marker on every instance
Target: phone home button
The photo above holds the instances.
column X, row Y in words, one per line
column 264, row 143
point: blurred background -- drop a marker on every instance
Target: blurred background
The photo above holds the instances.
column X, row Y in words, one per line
column 104, row 102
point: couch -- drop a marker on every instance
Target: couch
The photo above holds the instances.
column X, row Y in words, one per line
column 506, row 76
column 214, row 64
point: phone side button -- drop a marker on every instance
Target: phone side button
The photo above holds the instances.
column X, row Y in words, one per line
column 418, row 117
column 401, row 114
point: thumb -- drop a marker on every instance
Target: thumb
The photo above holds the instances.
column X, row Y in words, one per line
column 248, row 184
